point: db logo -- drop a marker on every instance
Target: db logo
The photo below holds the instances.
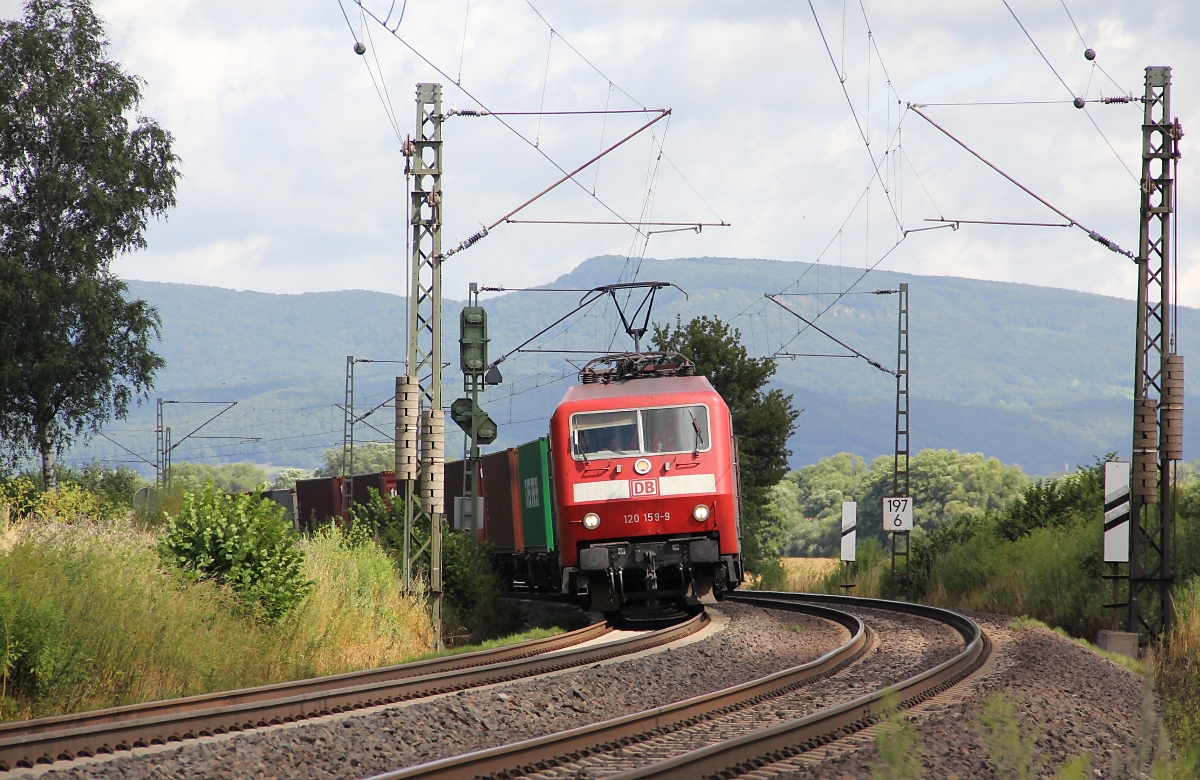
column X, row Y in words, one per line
column 644, row 487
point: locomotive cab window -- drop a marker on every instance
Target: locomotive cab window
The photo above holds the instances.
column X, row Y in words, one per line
column 673, row 429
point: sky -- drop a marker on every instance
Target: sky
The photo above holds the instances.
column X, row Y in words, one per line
column 293, row 179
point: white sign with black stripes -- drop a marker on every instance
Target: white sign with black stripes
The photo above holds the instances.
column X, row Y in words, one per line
column 849, row 523
column 1116, row 512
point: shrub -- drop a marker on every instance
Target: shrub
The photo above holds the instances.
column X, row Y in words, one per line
column 243, row 541
column 23, row 498
column 475, row 610
column 384, row 520
column 20, row 496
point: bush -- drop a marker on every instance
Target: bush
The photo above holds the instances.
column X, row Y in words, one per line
column 383, row 520
column 22, row 497
column 475, row 609
column 243, row 541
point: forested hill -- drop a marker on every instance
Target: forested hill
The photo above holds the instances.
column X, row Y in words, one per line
column 1031, row 375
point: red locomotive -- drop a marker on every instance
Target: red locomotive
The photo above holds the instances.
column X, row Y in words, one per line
column 636, row 498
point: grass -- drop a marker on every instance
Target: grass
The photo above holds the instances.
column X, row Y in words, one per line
column 90, row 619
column 1177, row 671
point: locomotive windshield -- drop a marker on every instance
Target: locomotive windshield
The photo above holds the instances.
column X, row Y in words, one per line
column 640, row 432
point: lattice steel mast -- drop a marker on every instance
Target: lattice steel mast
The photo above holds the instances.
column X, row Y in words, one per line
column 424, row 153
column 348, row 441
column 900, row 482
column 1158, row 372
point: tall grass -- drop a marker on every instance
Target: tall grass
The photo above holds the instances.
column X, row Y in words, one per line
column 89, row 618
column 1177, row 670
column 358, row 614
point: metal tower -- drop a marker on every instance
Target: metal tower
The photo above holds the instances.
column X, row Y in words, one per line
column 159, row 449
column 348, row 440
column 900, row 483
column 1158, row 372
column 424, row 153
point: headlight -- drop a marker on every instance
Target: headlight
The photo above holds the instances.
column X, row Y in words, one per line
column 591, row 520
column 641, row 465
column 700, row 513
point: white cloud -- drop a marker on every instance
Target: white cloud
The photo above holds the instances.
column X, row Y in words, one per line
column 292, row 168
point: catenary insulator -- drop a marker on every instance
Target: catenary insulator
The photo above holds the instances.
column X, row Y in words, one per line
column 1144, row 484
column 1171, row 410
column 407, row 425
column 433, row 461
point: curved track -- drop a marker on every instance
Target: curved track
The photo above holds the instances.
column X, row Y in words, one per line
column 760, row 749
column 566, row 751
column 43, row 741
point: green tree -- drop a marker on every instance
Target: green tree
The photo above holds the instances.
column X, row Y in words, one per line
column 369, row 458
column 286, row 478
column 1056, row 503
column 763, row 421
column 228, row 477
column 945, row 485
column 823, row 486
column 78, row 182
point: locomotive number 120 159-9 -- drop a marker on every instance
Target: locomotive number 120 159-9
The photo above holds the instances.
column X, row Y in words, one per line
column 648, row 517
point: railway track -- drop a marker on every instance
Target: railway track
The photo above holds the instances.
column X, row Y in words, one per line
column 24, row 744
column 666, row 732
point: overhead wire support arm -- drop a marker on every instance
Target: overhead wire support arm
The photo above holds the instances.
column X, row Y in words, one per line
column 829, row 336
column 485, row 112
column 992, row 222
column 591, row 297
column 1092, row 234
column 487, row 229
column 685, row 225
column 231, row 404
column 131, row 452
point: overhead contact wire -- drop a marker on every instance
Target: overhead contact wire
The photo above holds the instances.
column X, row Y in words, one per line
column 507, row 126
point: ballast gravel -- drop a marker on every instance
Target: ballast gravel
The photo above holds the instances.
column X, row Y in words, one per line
column 755, row 643
column 1073, row 702
column 906, row 646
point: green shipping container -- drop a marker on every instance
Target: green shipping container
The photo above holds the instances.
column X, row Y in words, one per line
column 537, row 510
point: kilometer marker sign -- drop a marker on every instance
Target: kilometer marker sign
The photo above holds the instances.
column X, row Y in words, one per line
column 897, row 514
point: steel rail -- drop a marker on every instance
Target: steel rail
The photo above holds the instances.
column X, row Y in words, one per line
column 26, row 743
column 757, row 749
column 276, row 690
column 530, row 756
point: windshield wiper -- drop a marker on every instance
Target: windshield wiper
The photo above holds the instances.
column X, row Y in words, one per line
column 580, row 444
column 699, row 435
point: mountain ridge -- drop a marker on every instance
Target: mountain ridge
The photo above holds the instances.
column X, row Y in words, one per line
column 1034, row 375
